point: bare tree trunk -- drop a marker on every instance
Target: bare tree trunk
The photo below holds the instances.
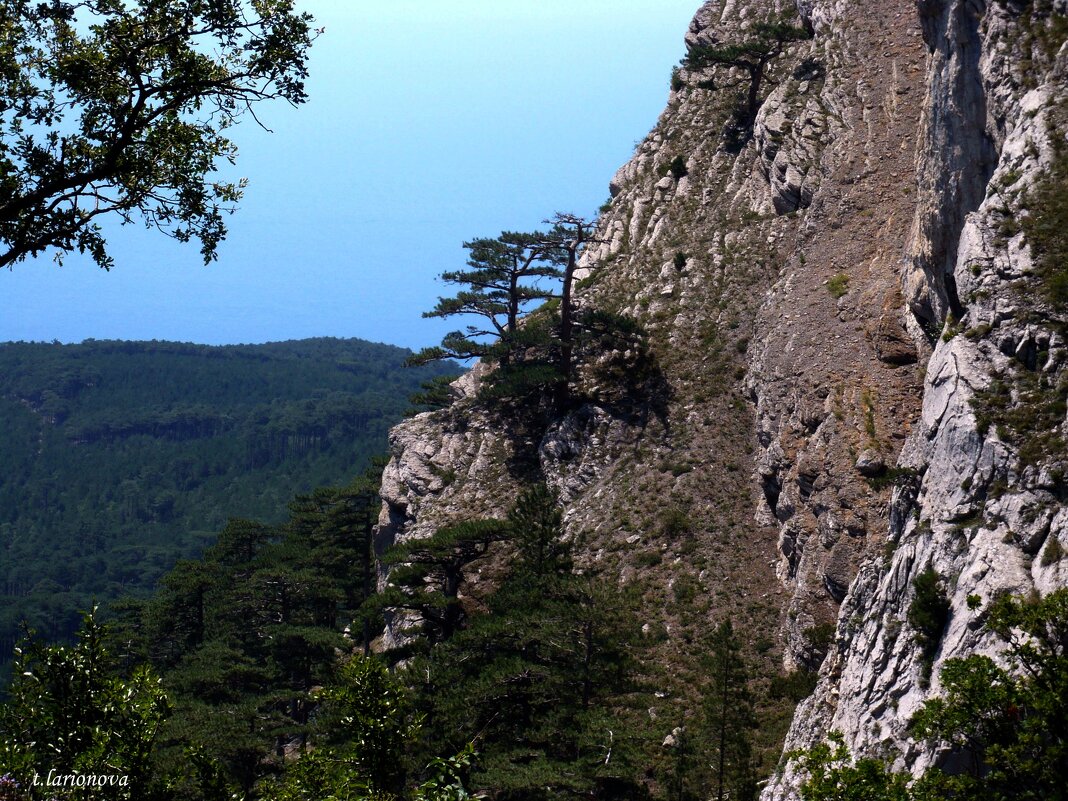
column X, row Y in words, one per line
column 566, row 326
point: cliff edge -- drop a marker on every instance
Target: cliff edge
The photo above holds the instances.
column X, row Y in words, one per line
column 853, row 365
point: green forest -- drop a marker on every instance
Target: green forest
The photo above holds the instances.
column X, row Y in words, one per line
column 123, row 457
column 197, row 602
column 248, row 675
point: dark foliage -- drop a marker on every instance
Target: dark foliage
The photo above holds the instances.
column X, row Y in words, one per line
column 729, row 719
column 427, row 573
column 539, row 680
column 519, row 289
column 121, row 109
column 928, row 614
column 122, row 458
column 752, row 58
column 506, row 276
column 243, row 635
column 432, row 395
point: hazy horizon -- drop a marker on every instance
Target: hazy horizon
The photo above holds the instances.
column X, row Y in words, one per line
column 428, row 123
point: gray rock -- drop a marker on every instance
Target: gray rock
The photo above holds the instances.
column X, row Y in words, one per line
column 982, row 542
column 870, row 463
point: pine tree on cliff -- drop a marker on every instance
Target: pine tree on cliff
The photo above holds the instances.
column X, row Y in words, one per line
column 766, row 41
column 568, row 236
column 533, row 348
column 502, row 282
column 426, row 576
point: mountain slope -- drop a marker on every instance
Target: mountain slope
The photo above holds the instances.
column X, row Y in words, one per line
column 982, row 502
column 853, row 369
column 122, row 457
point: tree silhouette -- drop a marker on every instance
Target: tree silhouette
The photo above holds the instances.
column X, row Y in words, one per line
column 501, row 284
column 121, row 108
column 569, row 234
column 530, row 351
column 766, row 41
column 729, row 717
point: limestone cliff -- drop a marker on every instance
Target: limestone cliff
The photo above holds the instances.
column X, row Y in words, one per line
column 829, row 299
column 982, row 492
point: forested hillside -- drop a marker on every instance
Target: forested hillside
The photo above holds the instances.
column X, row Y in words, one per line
column 757, row 492
column 122, row 457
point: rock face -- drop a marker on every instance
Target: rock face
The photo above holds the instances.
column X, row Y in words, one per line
column 829, row 299
column 830, row 375
column 973, row 506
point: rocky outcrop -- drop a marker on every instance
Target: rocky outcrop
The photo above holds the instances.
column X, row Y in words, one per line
column 972, row 504
column 445, row 466
column 831, row 301
column 955, row 158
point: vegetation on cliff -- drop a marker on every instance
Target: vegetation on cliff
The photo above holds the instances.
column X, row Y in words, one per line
column 521, row 288
column 745, row 64
column 1000, row 727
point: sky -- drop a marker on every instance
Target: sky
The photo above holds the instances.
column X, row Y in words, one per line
column 430, row 122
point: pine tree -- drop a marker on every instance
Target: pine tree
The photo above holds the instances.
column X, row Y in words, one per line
column 426, row 576
column 729, row 718
column 531, row 348
column 175, row 620
column 246, row 634
column 434, row 394
column 569, row 234
column 502, row 282
column 752, row 57
column 535, row 523
column 1006, row 725
column 331, row 530
column 535, row 680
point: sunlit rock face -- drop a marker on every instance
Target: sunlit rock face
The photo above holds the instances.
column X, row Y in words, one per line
column 972, row 504
column 829, row 293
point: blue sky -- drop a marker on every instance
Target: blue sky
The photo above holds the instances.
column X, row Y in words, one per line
column 429, row 122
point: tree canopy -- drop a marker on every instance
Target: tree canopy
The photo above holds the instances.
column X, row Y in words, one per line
column 109, row 107
column 531, row 347
column 766, row 41
column 502, row 280
column 426, row 575
column 243, row 636
column 68, row 714
column 541, row 680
